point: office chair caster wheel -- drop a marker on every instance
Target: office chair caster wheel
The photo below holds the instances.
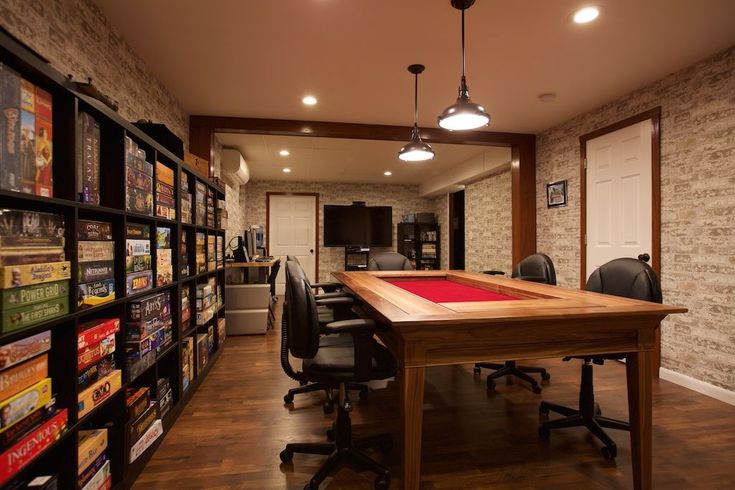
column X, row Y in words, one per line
column 609, row 452
column 536, row 389
column 545, row 376
column 288, row 399
column 477, row 370
column 386, row 446
column 490, row 384
column 382, row 482
column 363, row 395
column 328, row 407
column 286, row 456
column 544, row 433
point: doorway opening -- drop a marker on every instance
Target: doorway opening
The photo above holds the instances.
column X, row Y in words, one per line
column 456, row 232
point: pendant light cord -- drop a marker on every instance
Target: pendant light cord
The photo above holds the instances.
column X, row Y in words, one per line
column 416, row 101
column 463, row 44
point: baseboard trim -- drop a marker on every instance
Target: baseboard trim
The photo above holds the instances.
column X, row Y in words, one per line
column 713, row 391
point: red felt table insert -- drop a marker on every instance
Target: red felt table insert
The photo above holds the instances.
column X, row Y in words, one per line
column 443, row 291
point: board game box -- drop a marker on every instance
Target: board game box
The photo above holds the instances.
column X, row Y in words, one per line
column 9, row 128
column 150, row 436
column 92, row 443
column 134, row 230
column 94, row 230
column 19, row 405
column 22, row 376
column 36, row 293
column 96, row 371
column 102, row 480
column 89, row 251
column 13, row 276
column 16, row 352
column 26, row 316
column 136, row 401
column 31, row 255
column 139, row 281
column 96, row 270
column 19, row 228
column 43, row 175
column 30, row 422
column 99, row 392
column 94, row 353
column 142, row 423
column 27, row 137
column 94, row 331
column 95, row 293
column 149, row 307
column 88, row 159
column 85, row 476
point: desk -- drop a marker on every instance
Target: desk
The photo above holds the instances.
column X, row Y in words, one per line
column 505, row 319
column 245, row 267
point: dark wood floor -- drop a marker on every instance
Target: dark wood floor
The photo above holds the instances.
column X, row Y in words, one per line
column 230, row 434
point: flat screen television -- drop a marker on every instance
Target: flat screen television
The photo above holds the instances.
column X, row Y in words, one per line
column 367, row 226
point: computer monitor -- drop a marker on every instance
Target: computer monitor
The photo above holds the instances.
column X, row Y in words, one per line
column 250, row 242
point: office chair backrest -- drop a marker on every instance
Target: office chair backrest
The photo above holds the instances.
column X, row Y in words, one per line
column 302, row 319
column 292, row 258
column 627, row 277
column 536, row 268
column 272, row 277
column 389, row 261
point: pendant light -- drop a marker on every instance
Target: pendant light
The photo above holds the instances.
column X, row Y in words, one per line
column 463, row 114
column 416, row 150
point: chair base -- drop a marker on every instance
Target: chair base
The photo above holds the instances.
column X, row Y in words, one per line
column 342, row 450
column 509, row 368
column 588, row 415
column 328, row 388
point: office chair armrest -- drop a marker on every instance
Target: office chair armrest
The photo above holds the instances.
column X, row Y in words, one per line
column 335, row 301
column 328, row 287
column 358, row 325
column 331, row 295
column 494, row 273
column 540, row 279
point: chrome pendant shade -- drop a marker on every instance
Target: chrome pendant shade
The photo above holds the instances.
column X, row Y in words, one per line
column 463, row 114
column 416, row 150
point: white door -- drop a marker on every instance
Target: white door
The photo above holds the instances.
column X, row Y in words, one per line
column 619, row 195
column 292, row 231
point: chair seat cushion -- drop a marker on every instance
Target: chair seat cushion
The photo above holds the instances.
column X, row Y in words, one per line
column 336, row 362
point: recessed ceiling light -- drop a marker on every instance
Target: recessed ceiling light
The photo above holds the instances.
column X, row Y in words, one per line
column 284, row 153
column 309, row 100
column 547, row 97
column 286, row 170
column 586, row 14
column 387, row 173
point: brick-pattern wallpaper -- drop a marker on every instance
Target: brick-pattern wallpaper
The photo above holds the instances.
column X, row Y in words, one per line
column 234, row 202
column 697, row 209
column 403, row 199
column 488, row 224
column 77, row 39
column 441, row 210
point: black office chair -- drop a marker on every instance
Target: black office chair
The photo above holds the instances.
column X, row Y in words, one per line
column 625, row 277
column 273, row 299
column 327, row 287
column 360, row 360
column 342, row 303
column 536, row 268
column 389, row 261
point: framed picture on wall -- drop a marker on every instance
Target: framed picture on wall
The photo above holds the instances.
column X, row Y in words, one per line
column 556, row 194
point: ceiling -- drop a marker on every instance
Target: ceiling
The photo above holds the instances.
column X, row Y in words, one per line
column 258, row 58
column 347, row 160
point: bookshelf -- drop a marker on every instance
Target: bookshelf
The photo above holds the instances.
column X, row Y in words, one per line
column 420, row 242
column 60, row 457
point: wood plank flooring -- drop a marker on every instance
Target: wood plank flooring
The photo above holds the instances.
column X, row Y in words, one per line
column 230, row 434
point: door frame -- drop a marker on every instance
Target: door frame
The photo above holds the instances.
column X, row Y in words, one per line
column 316, row 225
column 655, row 116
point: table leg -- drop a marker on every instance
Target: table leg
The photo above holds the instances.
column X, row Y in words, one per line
column 412, row 401
column 638, row 368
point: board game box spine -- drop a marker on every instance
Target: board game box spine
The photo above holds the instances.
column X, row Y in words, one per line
column 19, row 405
column 142, row 423
column 94, row 230
column 30, row 241
column 85, row 476
column 95, row 293
column 94, row 353
column 96, row 371
column 9, row 128
column 88, row 159
column 21, row 224
column 165, row 189
column 26, row 316
column 164, row 174
column 89, row 251
column 165, row 212
column 27, row 255
column 139, row 281
column 137, row 263
column 148, row 438
column 135, row 230
column 92, row 443
column 136, row 368
column 99, row 392
column 44, row 144
column 25, row 275
column 149, row 307
column 202, row 351
column 22, row 376
column 136, row 247
column 165, row 199
column 136, row 401
column 93, row 332
column 101, row 480
column 31, row 421
column 96, row 271
column 136, row 349
column 135, row 331
column 27, row 136
column 25, row 450
column 27, row 295
column 165, row 402
column 16, row 352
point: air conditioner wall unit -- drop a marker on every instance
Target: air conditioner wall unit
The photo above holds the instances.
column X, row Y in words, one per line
column 234, row 168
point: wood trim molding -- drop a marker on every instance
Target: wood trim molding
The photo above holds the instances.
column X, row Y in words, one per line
column 523, row 197
column 655, row 116
column 316, row 227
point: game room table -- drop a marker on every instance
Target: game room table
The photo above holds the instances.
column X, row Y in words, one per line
column 437, row 318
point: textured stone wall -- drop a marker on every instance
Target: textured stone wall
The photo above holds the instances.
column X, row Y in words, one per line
column 697, row 209
column 403, row 199
column 441, row 209
column 234, row 203
column 77, row 39
column 488, row 224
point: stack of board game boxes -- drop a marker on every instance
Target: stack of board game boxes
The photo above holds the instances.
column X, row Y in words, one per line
column 98, row 379
column 88, row 159
column 138, row 180
column 184, row 256
column 202, row 351
column 210, row 208
column 221, row 331
column 149, row 329
column 138, row 263
column 34, row 275
column 96, row 254
column 205, row 303
column 185, row 309
column 185, row 198
column 200, row 249
column 93, row 465
column 219, row 252
column 211, row 252
column 26, row 129
column 164, row 257
column 187, row 362
column 30, row 420
column 165, row 198
column 146, row 408
column 221, row 216
column 200, row 209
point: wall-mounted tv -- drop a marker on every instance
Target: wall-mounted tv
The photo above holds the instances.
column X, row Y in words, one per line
column 367, row 226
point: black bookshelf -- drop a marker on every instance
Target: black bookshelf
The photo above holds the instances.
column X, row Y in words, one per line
column 420, row 242
column 61, row 456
